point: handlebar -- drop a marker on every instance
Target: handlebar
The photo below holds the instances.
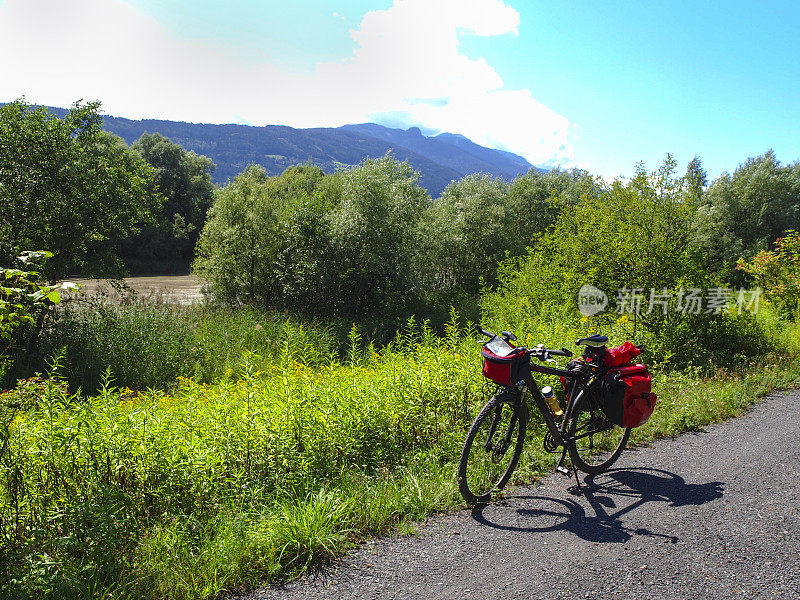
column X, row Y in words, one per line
column 562, row 352
column 539, row 351
column 506, row 335
column 543, row 353
column 485, row 332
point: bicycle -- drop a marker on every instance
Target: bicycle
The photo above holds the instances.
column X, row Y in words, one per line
column 495, row 439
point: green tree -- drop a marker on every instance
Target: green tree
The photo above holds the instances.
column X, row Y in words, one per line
column 634, row 235
column 372, row 227
column 464, row 234
column 266, row 239
column 744, row 212
column 306, row 265
column 778, row 273
column 240, row 243
column 696, row 179
column 535, row 201
column 25, row 301
column 68, row 186
column 184, row 179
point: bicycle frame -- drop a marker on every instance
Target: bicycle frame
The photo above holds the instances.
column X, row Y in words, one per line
column 580, row 382
column 574, row 380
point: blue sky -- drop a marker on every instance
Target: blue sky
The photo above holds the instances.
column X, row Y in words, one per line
column 597, row 84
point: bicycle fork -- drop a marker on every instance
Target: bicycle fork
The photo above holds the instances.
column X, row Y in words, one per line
column 498, row 450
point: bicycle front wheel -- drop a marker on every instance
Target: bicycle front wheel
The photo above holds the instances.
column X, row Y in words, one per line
column 594, row 442
column 492, row 447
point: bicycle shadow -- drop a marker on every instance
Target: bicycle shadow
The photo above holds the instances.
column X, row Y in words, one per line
column 630, row 488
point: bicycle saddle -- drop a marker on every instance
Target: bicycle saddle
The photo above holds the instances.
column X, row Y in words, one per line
column 595, row 340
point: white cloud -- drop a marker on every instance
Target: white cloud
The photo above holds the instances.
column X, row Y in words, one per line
column 406, row 60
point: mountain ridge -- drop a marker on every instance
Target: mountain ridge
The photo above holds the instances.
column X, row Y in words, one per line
column 440, row 159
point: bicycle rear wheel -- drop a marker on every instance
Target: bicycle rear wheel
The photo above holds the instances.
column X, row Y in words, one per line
column 492, row 447
column 595, row 442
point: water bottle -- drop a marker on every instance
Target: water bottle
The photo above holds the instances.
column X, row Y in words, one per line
column 552, row 402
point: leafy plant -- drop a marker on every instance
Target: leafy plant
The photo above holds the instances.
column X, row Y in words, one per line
column 24, row 302
column 778, row 272
column 742, row 213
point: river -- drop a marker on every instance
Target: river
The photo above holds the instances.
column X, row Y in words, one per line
column 182, row 289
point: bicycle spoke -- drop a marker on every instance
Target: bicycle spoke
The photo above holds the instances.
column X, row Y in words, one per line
column 595, row 442
column 492, row 448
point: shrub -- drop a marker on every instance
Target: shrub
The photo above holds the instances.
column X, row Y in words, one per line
column 778, row 273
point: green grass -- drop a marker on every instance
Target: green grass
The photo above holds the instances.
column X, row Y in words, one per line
column 149, row 344
column 277, row 465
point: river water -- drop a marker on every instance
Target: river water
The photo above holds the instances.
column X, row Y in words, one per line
column 182, row 289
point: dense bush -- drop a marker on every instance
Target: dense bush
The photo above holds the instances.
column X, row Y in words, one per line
column 372, row 237
column 621, row 238
column 238, row 248
column 744, row 213
column 778, row 273
column 464, row 234
column 216, row 487
column 367, row 243
column 131, row 489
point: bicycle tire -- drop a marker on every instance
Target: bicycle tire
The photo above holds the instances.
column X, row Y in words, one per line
column 482, row 466
column 606, row 441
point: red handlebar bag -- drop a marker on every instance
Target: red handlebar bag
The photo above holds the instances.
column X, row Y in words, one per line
column 627, row 398
column 505, row 370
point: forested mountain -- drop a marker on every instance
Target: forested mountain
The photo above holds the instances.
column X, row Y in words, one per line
column 440, row 159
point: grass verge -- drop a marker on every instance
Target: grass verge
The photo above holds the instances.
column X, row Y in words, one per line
column 220, row 487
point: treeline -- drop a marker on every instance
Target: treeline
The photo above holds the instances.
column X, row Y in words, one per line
column 369, row 240
column 368, row 243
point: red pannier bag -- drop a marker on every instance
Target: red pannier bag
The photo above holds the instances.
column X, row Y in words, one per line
column 626, row 398
column 621, row 355
column 503, row 368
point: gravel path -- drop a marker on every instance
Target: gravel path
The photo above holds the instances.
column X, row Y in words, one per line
column 714, row 515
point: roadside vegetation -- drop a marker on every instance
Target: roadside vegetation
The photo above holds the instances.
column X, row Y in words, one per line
column 321, row 393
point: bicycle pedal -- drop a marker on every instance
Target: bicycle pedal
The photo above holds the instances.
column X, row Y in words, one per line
column 563, row 470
